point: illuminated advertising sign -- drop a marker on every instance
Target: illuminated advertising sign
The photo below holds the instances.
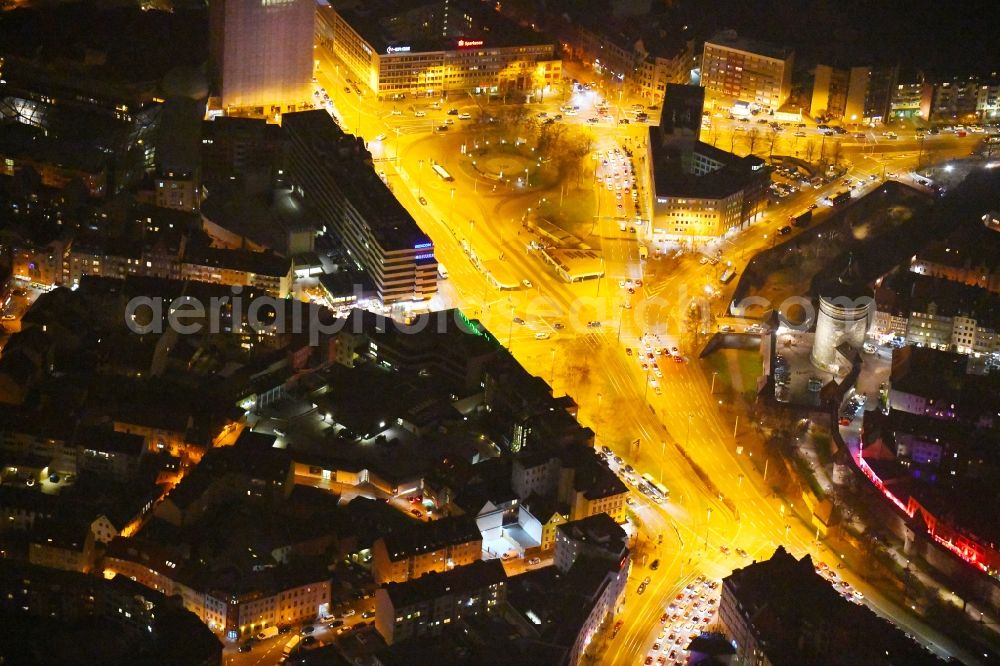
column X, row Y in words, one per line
column 397, row 49
column 468, row 43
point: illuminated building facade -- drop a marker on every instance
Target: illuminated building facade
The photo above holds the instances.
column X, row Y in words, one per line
column 911, row 100
column 475, row 50
column 335, row 175
column 858, row 94
column 424, row 605
column 735, row 69
column 262, row 55
column 699, row 191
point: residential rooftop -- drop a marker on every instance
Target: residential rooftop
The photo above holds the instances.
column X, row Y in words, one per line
column 799, row 620
column 731, row 40
column 459, row 580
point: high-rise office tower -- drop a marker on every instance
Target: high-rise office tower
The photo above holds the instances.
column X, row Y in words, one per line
column 262, row 54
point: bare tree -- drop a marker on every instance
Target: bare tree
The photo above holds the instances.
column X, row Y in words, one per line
column 772, row 138
column 752, row 137
column 810, row 149
column 835, row 152
column 514, row 118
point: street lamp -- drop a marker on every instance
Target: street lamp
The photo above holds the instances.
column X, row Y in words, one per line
column 420, row 177
column 451, row 207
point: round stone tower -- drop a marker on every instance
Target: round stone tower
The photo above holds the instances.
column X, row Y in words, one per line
column 846, row 308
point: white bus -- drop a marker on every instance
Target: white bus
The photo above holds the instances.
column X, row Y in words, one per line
column 442, row 271
column 728, row 275
column 658, row 488
column 441, row 171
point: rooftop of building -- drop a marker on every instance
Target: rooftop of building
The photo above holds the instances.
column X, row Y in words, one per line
column 460, row 580
column 973, row 244
column 731, row 39
column 98, row 633
column 425, row 537
column 265, row 219
column 904, row 292
column 672, row 179
column 592, row 475
column 391, row 23
column 927, row 372
column 258, row 263
column 23, row 142
column 599, row 530
column 349, row 166
column 557, row 604
column 178, row 136
column 479, row 640
column 649, row 33
column 106, row 440
column 795, row 622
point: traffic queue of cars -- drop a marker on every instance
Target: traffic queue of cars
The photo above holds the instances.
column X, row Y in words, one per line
column 693, row 611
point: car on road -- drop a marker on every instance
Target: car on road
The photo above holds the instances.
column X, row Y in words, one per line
column 593, row 120
column 245, row 647
column 593, row 324
column 784, row 231
column 452, row 112
column 422, row 200
column 465, row 116
column 442, row 128
column 308, row 629
column 541, row 335
column 518, row 320
column 347, row 90
column 380, row 137
column 623, row 121
column 535, row 560
column 350, row 612
column 527, row 284
column 416, row 512
column 309, row 640
column 655, row 565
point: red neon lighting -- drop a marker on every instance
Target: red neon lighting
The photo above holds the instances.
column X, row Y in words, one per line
column 470, row 42
column 962, row 552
